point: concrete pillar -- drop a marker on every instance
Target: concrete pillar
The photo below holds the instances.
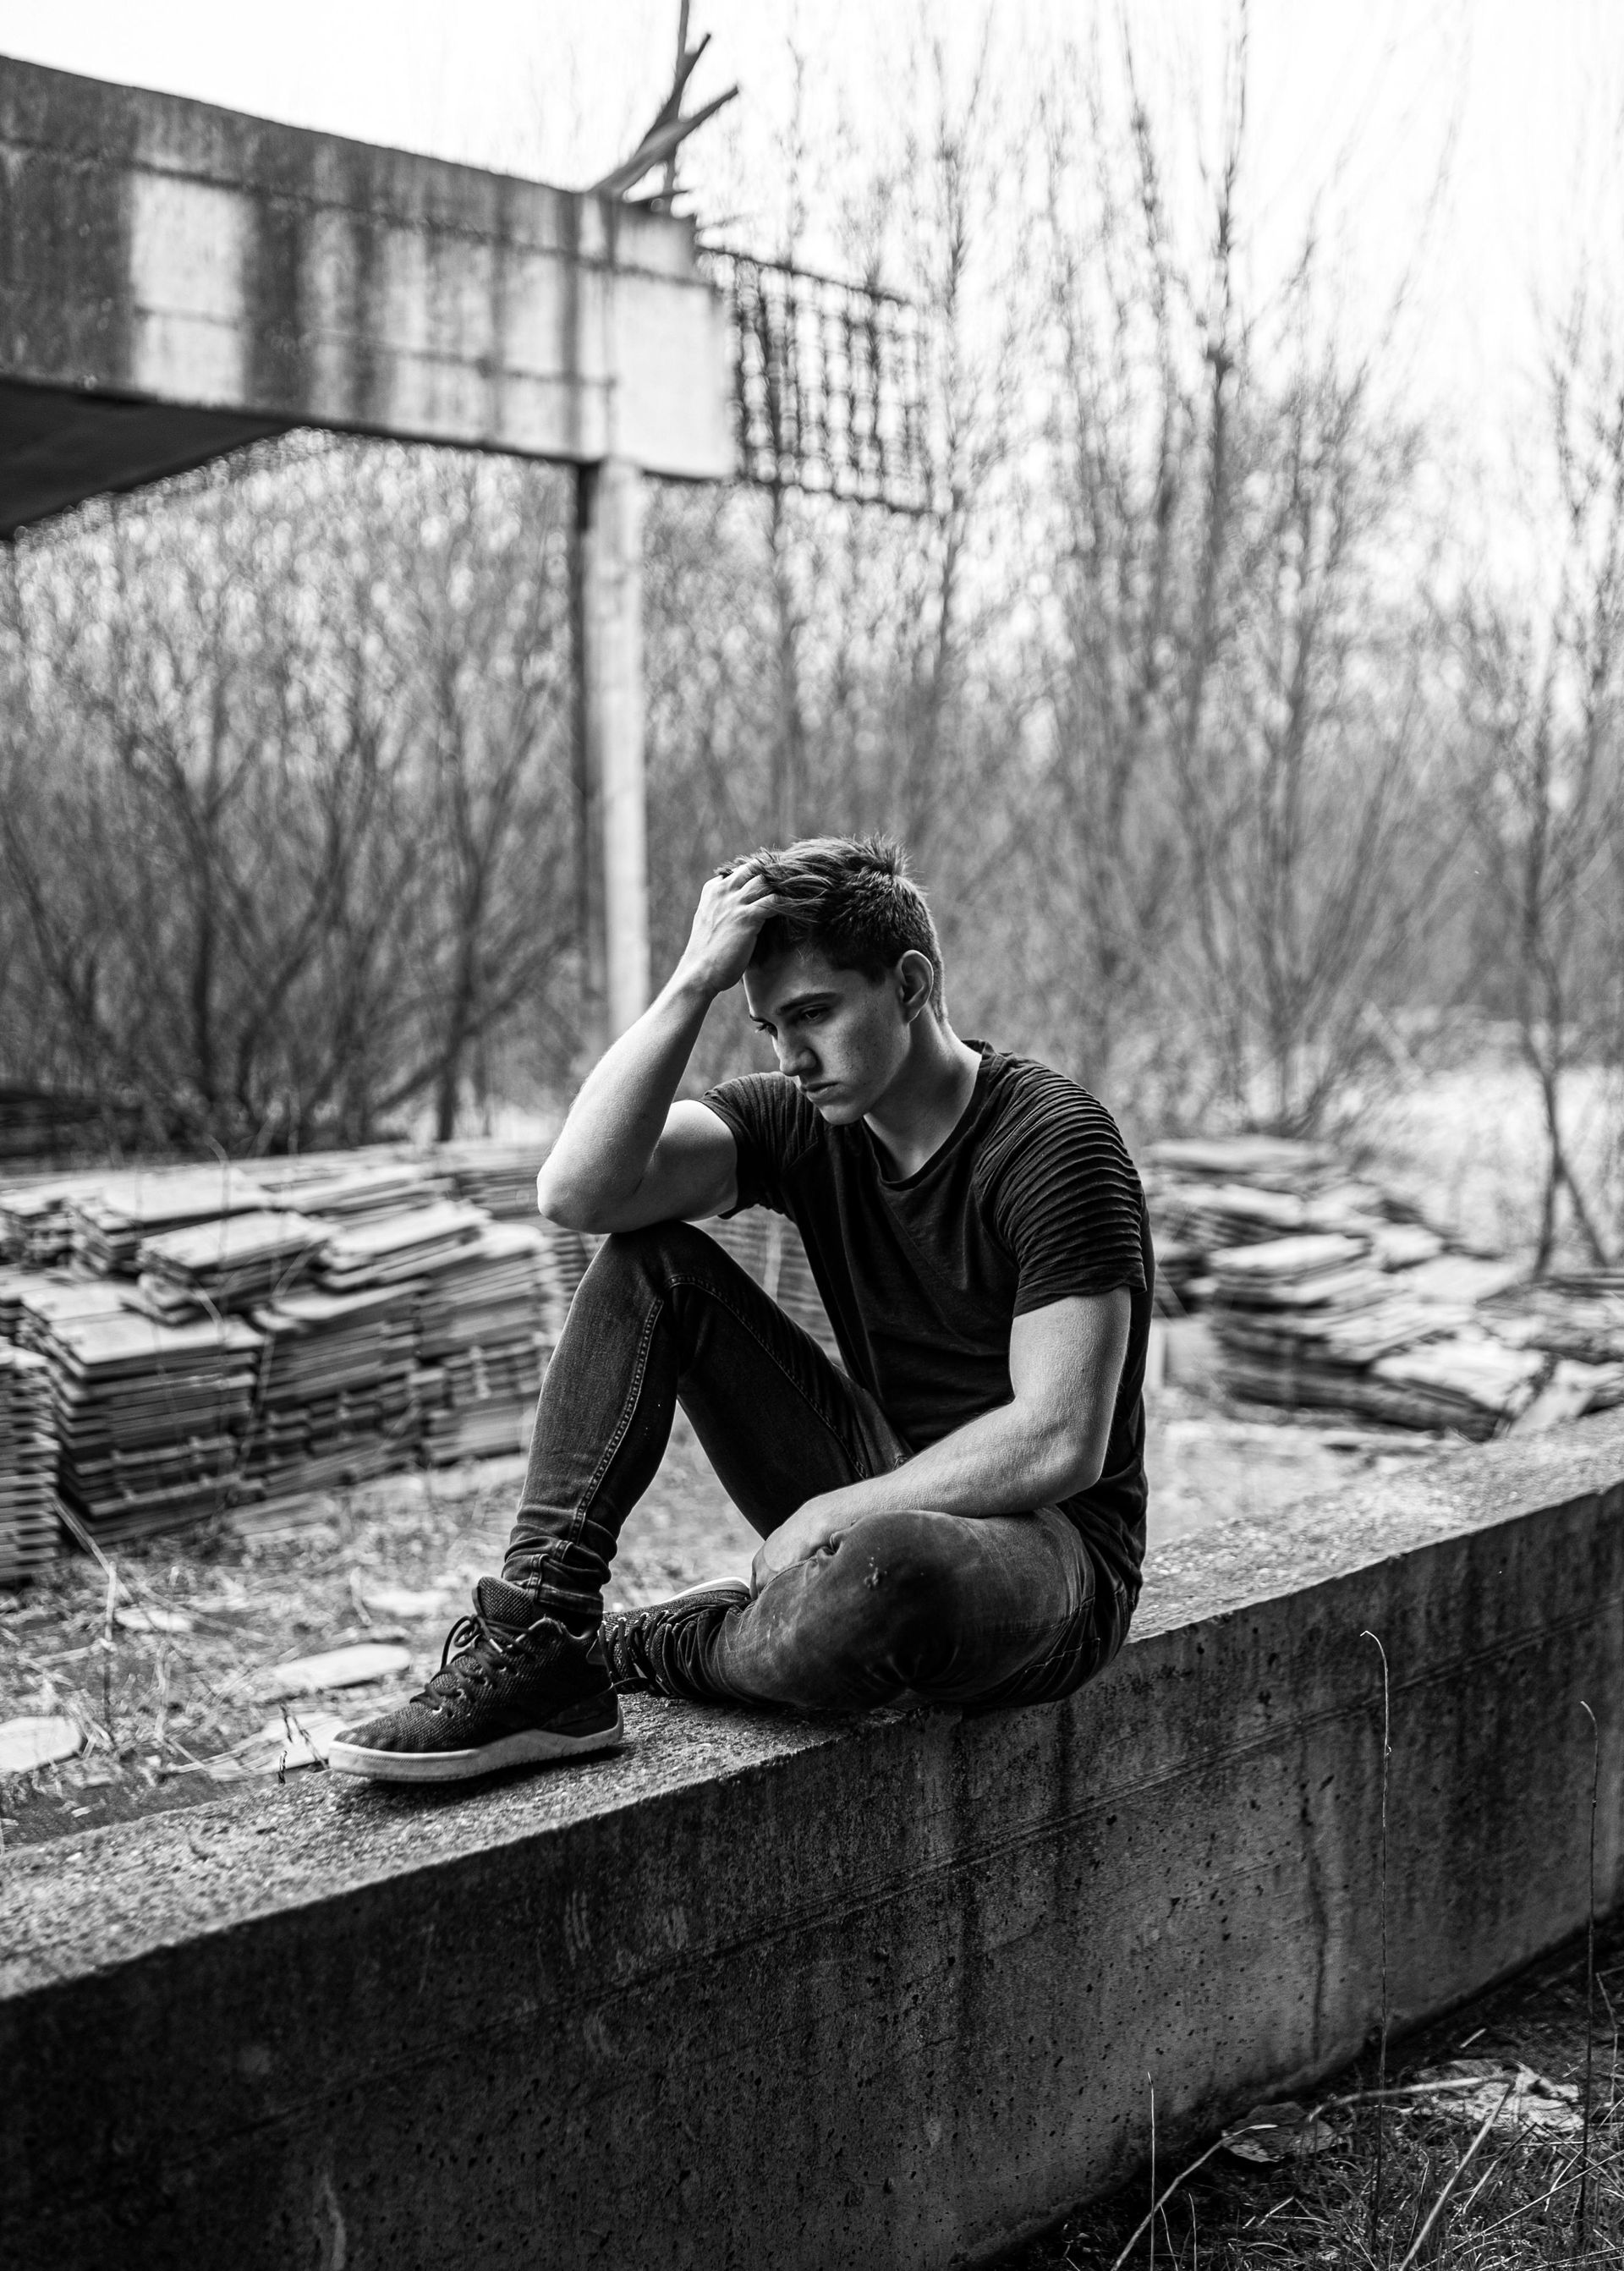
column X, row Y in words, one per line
column 614, row 792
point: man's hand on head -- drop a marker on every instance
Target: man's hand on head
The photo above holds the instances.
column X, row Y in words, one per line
column 727, row 922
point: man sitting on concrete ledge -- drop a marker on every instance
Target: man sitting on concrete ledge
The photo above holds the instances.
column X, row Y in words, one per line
column 958, row 1515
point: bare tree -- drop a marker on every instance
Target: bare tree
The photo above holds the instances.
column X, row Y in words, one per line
column 1541, row 759
column 482, row 619
column 1119, row 525
column 1311, row 850
column 281, row 819
column 1235, row 731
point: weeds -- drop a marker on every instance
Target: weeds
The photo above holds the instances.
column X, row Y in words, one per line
column 1485, row 2201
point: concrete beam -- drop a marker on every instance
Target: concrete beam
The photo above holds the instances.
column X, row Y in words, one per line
column 876, row 1993
column 161, row 252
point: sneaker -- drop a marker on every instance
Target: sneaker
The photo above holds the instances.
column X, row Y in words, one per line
column 653, row 1647
column 519, row 1689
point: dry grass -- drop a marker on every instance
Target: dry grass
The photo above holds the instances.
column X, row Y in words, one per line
column 156, row 1708
column 1515, row 2204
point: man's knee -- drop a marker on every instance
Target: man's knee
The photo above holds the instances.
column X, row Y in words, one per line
column 901, row 1572
column 656, row 1250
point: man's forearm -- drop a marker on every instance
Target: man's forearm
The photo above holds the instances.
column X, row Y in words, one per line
column 1006, row 1461
column 608, row 1142
column 608, row 1139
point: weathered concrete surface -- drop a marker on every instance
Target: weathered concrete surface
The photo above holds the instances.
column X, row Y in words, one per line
column 872, row 1995
column 174, row 253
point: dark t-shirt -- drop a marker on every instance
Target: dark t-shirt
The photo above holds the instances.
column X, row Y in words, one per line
column 1031, row 1198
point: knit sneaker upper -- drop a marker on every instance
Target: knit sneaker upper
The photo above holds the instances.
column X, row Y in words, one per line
column 659, row 1648
column 504, row 1670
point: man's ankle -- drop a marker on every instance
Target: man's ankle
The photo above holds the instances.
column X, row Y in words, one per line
column 580, row 1617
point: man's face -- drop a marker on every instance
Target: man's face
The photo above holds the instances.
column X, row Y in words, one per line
column 841, row 1037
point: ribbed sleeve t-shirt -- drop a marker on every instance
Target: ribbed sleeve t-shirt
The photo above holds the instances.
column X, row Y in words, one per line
column 1031, row 1198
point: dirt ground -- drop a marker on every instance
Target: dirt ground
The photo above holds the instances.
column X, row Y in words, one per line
column 165, row 1667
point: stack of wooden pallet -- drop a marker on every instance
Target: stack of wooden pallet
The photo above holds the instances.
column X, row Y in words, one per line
column 36, row 1220
column 149, row 1416
column 1319, row 1321
column 1209, row 1195
column 499, row 1177
column 27, row 1464
column 342, row 1190
column 214, row 1268
column 111, row 1221
column 335, row 1400
column 1576, row 1321
column 389, row 1249
column 481, row 1343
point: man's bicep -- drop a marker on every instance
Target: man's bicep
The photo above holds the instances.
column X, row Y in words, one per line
column 697, row 1161
column 1066, row 1364
column 694, row 1172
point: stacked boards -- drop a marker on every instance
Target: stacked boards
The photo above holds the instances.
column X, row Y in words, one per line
column 499, row 1177
column 387, row 1249
column 197, row 1338
column 111, row 1221
column 36, row 1220
column 27, row 1464
column 149, row 1416
column 1331, row 1293
column 1328, row 1321
column 218, row 1268
column 335, row 1400
column 1210, row 1194
column 481, row 1343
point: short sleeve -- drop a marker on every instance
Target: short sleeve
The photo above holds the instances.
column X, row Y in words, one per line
column 768, row 1118
column 1069, row 1206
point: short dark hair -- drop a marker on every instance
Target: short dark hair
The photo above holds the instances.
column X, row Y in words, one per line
column 853, row 899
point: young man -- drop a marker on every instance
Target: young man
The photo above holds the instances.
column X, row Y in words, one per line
column 957, row 1517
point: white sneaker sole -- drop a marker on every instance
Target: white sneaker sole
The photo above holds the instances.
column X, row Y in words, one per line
column 532, row 1746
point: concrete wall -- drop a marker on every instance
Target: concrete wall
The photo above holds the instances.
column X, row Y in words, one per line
column 884, row 1993
column 165, row 250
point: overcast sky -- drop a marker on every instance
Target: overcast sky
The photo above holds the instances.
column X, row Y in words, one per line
column 1363, row 104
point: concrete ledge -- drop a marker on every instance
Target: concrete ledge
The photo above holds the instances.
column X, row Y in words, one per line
column 873, row 1993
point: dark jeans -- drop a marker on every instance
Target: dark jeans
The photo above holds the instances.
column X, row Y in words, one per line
column 912, row 1605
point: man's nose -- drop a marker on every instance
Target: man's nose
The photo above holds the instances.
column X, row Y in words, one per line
column 794, row 1059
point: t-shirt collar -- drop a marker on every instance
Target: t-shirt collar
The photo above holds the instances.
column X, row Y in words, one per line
column 955, row 1136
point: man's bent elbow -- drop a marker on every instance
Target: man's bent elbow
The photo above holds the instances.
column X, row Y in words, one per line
column 1073, row 1467
column 561, row 1203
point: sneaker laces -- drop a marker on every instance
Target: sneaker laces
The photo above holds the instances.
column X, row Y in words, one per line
column 472, row 1651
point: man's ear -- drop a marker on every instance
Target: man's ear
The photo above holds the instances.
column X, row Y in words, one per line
column 914, row 981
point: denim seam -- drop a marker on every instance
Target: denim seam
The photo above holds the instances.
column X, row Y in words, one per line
column 621, row 1427
column 1042, row 1663
column 700, row 1285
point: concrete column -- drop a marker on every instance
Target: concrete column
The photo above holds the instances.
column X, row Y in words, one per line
column 614, row 816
